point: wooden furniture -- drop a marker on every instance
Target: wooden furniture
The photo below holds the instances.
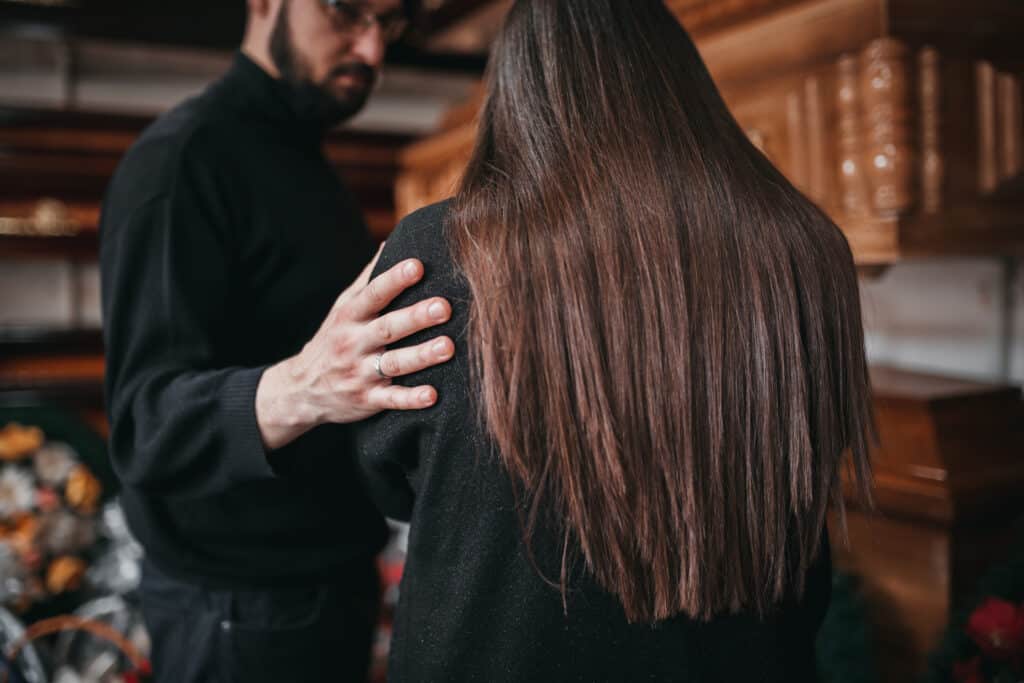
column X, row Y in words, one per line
column 54, row 169
column 902, row 118
column 949, row 471
column 58, row 164
column 54, row 367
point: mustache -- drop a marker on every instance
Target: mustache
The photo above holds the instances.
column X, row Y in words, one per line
column 356, row 70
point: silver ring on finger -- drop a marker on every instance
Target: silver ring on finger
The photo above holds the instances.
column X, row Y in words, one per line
column 377, row 366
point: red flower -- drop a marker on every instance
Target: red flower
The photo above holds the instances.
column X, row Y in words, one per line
column 47, row 500
column 143, row 673
column 968, row 672
column 997, row 626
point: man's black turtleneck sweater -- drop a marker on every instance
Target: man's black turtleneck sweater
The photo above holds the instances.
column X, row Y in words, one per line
column 225, row 239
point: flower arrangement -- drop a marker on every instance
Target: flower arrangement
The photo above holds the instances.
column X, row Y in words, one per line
column 996, row 629
column 48, row 505
column 984, row 642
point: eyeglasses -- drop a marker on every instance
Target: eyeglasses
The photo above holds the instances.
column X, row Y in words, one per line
column 352, row 16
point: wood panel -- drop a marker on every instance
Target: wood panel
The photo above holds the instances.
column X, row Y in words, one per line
column 55, row 167
column 906, row 132
column 948, row 473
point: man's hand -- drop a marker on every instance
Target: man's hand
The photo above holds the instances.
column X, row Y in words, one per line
column 334, row 378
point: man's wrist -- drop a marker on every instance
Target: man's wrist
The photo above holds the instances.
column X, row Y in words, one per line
column 282, row 413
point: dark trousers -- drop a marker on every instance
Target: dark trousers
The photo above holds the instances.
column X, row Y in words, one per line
column 298, row 634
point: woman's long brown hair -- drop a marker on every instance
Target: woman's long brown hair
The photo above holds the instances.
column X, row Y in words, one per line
column 666, row 335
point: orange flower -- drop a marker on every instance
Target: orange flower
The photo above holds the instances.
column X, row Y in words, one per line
column 64, row 574
column 18, row 441
column 23, row 535
column 83, row 490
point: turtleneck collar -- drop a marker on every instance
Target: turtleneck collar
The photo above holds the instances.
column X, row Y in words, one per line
column 261, row 95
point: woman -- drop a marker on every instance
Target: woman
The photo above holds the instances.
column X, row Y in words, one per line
column 660, row 367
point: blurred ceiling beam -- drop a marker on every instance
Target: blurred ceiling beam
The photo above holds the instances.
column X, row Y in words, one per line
column 472, row 31
column 108, row 76
column 214, row 25
column 439, row 16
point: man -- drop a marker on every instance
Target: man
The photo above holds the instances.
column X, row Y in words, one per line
column 233, row 365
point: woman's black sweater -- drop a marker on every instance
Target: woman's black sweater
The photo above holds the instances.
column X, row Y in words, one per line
column 472, row 605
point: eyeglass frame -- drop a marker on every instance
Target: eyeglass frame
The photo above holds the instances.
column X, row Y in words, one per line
column 366, row 19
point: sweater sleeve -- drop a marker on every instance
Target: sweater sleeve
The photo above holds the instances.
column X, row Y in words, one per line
column 180, row 423
column 394, row 445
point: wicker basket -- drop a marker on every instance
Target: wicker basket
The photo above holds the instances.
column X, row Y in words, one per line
column 141, row 669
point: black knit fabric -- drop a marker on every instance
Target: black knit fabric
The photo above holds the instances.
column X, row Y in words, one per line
column 225, row 239
column 472, row 605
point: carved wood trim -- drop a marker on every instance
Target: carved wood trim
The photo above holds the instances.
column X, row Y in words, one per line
column 886, row 98
column 932, row 161
column 988, row 165
column 853, row 186
column 817, row 166
column 1000, row 127
column 876, row 132
column 50, row 218
column 753, row 51
column 1010, row 125
column 705, row 16
column 795, row 133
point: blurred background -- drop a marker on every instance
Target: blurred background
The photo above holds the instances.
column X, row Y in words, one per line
column 902, row 118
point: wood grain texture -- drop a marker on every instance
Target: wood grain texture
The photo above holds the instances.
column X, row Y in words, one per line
column 886, row 97
column 1010, row 124
column 819, row 186
column 854, row 193
column 930, row 109
column 947, row 475
column 988, row 159
column 70, row 157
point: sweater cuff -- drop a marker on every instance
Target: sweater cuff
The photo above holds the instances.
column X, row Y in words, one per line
column 238, row 403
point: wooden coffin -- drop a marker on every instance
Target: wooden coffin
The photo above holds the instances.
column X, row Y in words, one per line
column 949, row 477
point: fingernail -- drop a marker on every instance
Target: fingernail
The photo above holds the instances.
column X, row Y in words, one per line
column 427, row 397
column 410, row 269
column 441, row 348
column 436, row 311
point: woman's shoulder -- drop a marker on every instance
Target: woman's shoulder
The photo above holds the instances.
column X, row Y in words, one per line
column 432, row 215
column 421, row 234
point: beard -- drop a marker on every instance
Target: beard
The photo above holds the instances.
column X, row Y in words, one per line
column 314, row 100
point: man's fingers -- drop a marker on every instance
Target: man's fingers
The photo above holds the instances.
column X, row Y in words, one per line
column 406, row 361
column 364, row 277
column 392, row 397
column 360, row 282
column 399, row 324
column 382, row 290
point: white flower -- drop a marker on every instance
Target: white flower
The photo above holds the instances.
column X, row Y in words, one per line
column 63, row 533
column 17, row 491
column 53, row 463
column 10, row 565
column 12, row 574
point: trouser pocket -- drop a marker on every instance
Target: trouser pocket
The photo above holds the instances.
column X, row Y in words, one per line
column 298, row 634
